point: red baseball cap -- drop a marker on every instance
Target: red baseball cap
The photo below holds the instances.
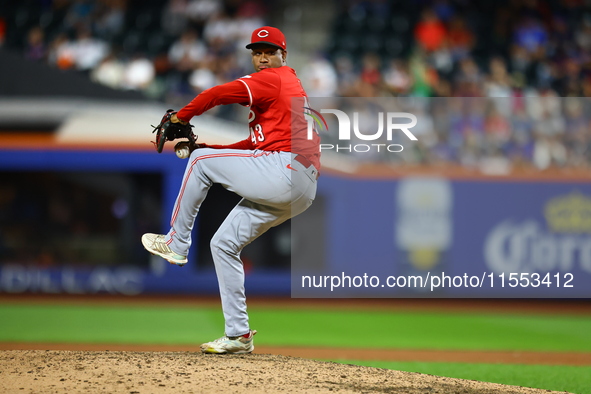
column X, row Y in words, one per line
column 267, row 35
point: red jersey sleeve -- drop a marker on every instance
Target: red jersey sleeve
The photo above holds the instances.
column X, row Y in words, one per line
column 234, row 92
column 263, row 87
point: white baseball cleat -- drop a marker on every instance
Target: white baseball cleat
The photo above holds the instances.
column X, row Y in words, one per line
column 154, row 243
column 230, row 345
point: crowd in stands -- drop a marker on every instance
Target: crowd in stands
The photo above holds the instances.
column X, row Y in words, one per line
column 526, row 51
column 490, row 135
column 468, row 49
column 527, row 54
column 168, row 50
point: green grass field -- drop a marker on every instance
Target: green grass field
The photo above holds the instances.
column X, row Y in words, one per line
column 133, row 324
column 557, row 377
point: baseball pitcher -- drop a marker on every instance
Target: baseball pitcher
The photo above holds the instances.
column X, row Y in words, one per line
column 274, row 170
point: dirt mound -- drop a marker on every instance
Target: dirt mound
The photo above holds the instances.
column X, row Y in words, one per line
column 34, row 371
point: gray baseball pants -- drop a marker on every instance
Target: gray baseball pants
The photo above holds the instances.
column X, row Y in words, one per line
column 274, row 187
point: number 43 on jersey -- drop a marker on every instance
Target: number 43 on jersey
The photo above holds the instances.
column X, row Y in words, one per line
column 256, row 134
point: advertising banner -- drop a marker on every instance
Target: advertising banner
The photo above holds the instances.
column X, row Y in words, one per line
column 430, row 237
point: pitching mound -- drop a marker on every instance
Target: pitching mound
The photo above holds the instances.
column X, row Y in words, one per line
column 37, row 371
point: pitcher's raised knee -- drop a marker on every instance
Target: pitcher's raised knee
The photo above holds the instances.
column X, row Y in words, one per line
column 221, row 243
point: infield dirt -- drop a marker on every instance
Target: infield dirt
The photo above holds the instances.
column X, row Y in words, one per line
column 51, row 371
column 88, row 368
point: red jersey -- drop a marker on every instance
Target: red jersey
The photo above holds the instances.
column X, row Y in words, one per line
column 276, row 118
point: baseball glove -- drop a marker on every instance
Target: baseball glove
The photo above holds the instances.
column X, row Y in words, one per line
column 169, row 131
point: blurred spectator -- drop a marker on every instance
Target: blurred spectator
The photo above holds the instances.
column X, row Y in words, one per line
column 397, row 79
column 228, row 69
column 62, row 52
column 531, row 36
column 442, row 60
column 468, row 79
column 494, row 162
column 577, row 137
column 548, row 151
column 498, row 81
column 544, row 73
column 469, row 151
column 319, row 78
column 461, row 40
column 202, row 78
column 496, row 127
column 139, row 73
column 424, row 130
column 109, row 72
column 175, row 18
column 498, row 84
column 370, row 77
column 109, row 18
column 187, row 52
column 442, row 153
column 583, row 36
column 36, row 49
column 424, row 77
column 519, row 151
column 88, row 50
column 199, row 11
column 185, row 55
column 430, row 33
column 220, row 31
column 346, row 76
column 568, row 82
column 80, row 13
column 520, row 61
column 574, row 115
column 521, row 125
column 545, row 110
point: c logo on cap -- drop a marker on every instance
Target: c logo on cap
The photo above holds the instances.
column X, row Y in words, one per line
column 263, row 33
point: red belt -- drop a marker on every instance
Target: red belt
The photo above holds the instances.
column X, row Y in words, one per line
column 305, row 162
